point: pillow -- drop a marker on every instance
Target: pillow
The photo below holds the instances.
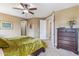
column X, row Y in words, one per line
column 3, row 43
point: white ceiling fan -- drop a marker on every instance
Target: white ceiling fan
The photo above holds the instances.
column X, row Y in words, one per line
column 27, row 8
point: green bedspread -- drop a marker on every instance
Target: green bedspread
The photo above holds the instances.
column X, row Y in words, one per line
column 23, row 46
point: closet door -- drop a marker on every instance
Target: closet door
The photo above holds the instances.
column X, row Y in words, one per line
column 42, row 29
column 23, row 27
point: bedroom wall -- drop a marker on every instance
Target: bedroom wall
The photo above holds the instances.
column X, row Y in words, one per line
column 16, row 29
column 33, row 26
column 63, row 16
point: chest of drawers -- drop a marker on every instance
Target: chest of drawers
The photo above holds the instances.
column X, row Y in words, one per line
column 67, row 38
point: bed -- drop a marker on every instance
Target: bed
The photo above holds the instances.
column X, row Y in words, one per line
column 22, row 46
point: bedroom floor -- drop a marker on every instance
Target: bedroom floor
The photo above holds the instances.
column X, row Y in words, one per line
column 50, row 51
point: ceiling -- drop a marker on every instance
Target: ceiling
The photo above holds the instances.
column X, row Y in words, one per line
column 43, row 9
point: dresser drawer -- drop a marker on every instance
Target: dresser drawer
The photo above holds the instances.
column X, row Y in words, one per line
column 71, row 30
column 66, row 30
column 63, row 42
column 67, row 47
column 67, row 34
column 67, row 38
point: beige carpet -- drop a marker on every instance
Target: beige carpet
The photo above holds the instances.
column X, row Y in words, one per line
column 50, row 51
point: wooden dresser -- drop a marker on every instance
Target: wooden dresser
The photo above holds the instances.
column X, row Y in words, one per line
column 67, row 38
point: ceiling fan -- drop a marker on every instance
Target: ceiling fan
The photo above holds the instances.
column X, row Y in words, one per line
column 26, row 8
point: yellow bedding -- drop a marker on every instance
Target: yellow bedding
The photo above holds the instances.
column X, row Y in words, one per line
column 23, row 46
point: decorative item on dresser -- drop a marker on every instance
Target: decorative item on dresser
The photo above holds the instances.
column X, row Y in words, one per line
column 67, row 38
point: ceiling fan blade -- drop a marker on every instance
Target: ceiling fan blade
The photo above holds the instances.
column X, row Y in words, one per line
column 30, row 12
column 32, row 8
column 18, row 8
column 22, row 4
column 25, row 6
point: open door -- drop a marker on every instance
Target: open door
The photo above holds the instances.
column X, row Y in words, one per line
column 42, row 29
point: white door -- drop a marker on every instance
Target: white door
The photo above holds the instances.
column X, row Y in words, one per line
column 31, row 32
column 42, row 29
column 23, row 27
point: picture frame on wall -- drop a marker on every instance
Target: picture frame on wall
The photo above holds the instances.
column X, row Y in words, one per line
column 6, row 26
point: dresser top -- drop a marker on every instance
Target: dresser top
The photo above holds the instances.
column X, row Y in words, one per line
column 68, row 28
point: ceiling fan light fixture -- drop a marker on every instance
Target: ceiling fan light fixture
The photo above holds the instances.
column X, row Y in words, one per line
column 26, row 11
